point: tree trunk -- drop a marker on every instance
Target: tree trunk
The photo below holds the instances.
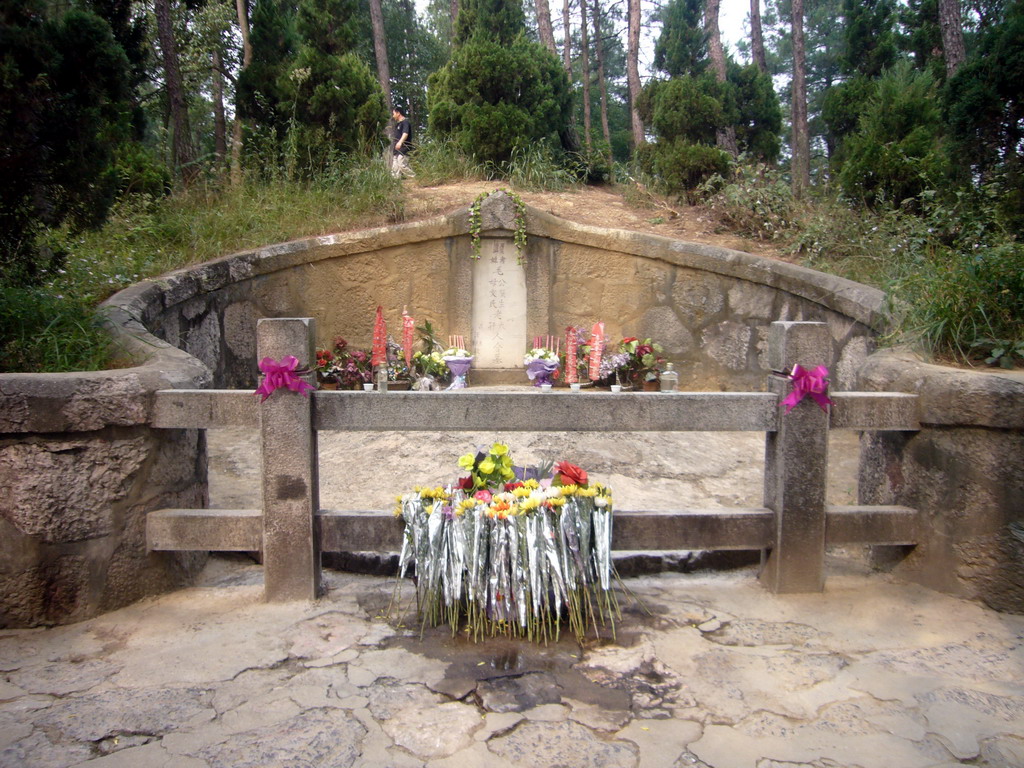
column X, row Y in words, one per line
column 757, row 37
column 241, row 6
column 801, row 168
column 544, row 28
column 182, row 153
column 380, row 50
column 951, row 23
column 725, row 137
column 585, row 73
column 599, row 45
column 455, row 17
column 567, row 40
column 633, row 71
column 220, row 137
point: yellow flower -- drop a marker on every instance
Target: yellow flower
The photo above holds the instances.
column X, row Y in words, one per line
column 499, row 449
column 532, row 483
column 586, row 492
column 467, row 461
column 556, row 502
column 567, row 490
column 529, row 504
column 487, row 466
column 521, row 492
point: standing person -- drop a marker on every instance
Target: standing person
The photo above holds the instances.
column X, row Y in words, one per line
column 400, row 147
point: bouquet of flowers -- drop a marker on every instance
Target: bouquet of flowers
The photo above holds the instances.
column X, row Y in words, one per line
column 458, row 361
column 542, row 365
column 511, row 550
column 348, row 366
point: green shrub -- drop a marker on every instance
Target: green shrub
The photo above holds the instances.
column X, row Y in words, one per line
column 681, row 167
column 490, row 99
column 894, row 155
column 756, row 202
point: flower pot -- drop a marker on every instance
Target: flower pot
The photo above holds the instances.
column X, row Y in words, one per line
column 651, row 386
column 399, row 386
column 328, row 385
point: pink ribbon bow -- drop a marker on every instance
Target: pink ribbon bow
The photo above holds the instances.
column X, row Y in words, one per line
column 813, row 383
column 279, row 375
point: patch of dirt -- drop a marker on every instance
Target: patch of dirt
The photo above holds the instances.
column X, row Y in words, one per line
column 596, row 206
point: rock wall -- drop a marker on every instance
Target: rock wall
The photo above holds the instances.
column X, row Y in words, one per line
column 964, row 470
column 710, row 307
column 80, row 469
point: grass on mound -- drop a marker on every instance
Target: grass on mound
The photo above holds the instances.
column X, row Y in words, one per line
column 52, row 326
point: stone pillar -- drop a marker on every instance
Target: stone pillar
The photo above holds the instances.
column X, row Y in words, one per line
column 291, row 491
column 796, row 464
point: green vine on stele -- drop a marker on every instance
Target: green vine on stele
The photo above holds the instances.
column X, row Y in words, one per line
column 475, row 223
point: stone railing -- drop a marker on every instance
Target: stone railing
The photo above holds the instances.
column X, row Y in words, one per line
column 793, row 528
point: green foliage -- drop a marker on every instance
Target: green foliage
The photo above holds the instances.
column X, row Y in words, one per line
column 64, row 106
column 536, row 168
column 306, row 92
column 491, row 98
column 437, row 161
column 894, row 154
column 756, row 202
column 841, row 108
column 682, row 46
column 50, row 326
column 499, row 21
column 985, row 112
column 41, row 331
column 759, row 118
column 685, row 107
column 954, row 274
column 681, row 166
column 870, row 36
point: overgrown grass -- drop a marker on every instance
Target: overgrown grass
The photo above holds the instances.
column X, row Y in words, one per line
column 536, row 169
column 532, row 168
column 954, row 275
column 51, row 327
column 437, row 162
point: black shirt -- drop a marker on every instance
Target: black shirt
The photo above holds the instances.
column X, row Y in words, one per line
column 402, row 127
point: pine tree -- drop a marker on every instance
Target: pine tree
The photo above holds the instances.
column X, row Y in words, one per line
column 499, row 91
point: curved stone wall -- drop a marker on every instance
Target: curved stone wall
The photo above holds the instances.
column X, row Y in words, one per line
column 964, row 470
column 710, row 307
column 81, row 467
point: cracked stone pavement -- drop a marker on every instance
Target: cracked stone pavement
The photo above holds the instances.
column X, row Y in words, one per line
column 707, row 670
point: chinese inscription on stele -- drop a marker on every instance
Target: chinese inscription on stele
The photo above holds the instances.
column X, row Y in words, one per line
column 499, row 306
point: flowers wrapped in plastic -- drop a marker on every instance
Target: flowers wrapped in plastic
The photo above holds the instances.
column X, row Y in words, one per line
column 541, row 365
column 511, row 551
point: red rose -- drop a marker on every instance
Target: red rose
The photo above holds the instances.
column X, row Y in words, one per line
column 570, row 474
column 513, row 486
column 466, row 483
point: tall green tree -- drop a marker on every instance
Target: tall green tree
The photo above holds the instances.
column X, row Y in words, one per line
column 984, row 109
column 499, row 90
column 65, row 105
column 307, row 86
column 682, row 46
